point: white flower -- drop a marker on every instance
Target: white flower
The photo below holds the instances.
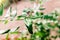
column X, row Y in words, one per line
column 8, row 13
column 14, row 12
column 55, row 21
column 1, row 31
column 24, row 13
column 28, row 21
column 24, row 31
column 11, row 13
column 13, row 29
column 44, row 21
column 49, row 20
column 36, row 7
column 57, row 9
column 38, row 21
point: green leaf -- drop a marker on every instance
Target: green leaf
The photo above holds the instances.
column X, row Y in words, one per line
column 50, row 26
column 20, row 17
column 39, row 14
column 58, row 25
column 30, row 28
column 41, row 8
column 54, row 37
column 40, row 34
column 32, row 0
column 50, row 17
column 58, row 31
column 40, row 1
column 7, row 36
column 17, row 28
column 45, row 16
column 18, row 39
column 7, row 31
column 24, row 38
column 5, row 21
column 1, row 9
column 27, row 10
column 16, row 32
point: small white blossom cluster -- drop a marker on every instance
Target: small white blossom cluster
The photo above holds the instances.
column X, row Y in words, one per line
column 10, row 15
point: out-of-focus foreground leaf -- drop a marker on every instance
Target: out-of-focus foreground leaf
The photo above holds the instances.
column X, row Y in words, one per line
column 1, row 9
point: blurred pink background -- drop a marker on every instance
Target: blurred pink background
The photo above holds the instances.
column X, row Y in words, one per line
column 50, row 6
